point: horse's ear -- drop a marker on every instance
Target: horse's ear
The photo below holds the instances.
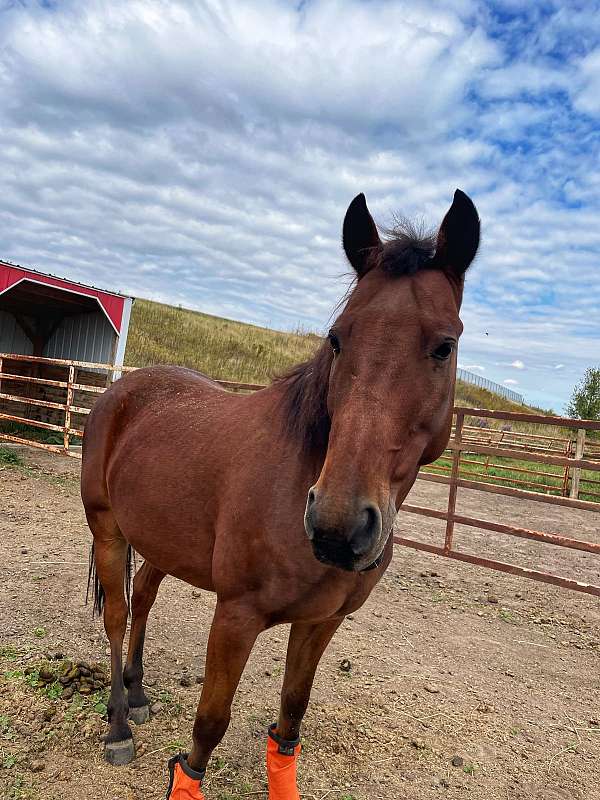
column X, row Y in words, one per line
column 360, row 237
column 458, row 237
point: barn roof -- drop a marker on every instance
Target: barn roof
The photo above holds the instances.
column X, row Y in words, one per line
column 30, row 286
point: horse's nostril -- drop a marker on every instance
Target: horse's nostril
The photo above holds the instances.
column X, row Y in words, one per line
column 311, row 496
column 367, row 529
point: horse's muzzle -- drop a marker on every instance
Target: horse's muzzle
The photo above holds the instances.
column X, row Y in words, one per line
column 346, row 538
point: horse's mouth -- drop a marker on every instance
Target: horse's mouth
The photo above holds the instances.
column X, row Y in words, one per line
column 336, row 556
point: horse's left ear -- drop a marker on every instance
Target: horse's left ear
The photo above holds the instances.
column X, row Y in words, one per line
column 360, row 236
column 458, row 237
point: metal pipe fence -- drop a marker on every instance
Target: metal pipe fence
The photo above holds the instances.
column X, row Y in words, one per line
column 491, row 386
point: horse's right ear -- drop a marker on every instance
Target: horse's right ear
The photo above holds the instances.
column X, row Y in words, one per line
column 360, row 237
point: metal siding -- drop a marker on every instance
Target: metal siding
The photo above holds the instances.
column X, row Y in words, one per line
column 12, row 336
column 84, row 337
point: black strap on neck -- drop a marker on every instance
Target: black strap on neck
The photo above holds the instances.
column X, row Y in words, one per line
column 375, row 564
column 286, row 746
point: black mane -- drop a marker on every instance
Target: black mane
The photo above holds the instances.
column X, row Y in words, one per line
column 407, row 248
column 304, row 402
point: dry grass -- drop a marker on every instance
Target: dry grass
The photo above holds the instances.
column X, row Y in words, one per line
column 221, row 348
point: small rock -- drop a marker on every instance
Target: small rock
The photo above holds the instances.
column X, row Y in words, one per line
column 150, row 682
column 345, row 665
column 458, row 761
column 486, row 708
column 185, row 680
column 68, row 693
column 196, row 593
column 431, row 688
column 24, row 551
column 157, row 707
column 199, row 679
column 37, row 765
column 492, row 599
column 49, row 713
column 350, row 616
column 418, row 744
column 444, row 783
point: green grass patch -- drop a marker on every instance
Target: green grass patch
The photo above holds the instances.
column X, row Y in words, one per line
column 10, row 457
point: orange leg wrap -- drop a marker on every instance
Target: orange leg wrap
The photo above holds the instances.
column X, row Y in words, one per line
column 281, row 771
column 185, row 783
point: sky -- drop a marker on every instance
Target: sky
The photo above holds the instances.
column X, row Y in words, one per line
column 204, row 154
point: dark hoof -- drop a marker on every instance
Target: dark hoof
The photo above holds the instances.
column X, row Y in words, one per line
column 139, row 715
column 119, row 753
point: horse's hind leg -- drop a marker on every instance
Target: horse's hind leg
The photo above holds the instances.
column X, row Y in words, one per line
column 110, row 553
column 145, row 587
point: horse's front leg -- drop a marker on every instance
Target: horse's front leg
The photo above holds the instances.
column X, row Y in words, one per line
column 306, row 645
column 233, row 633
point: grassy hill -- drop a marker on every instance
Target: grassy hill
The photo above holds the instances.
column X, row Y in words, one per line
column 222, row 348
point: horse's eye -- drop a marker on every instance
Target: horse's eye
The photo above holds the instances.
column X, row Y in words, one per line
column 334, row 342
column 444, row 351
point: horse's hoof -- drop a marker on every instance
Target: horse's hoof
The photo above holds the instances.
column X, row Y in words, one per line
column 119, row 753
column 139, row 714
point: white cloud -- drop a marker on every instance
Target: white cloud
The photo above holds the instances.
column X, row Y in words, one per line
column 472, row 367
column 205, row 153
column 510, row 382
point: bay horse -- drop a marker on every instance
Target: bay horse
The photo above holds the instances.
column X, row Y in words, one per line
column 281, row 502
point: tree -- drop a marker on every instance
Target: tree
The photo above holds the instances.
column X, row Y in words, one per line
column 585, row 400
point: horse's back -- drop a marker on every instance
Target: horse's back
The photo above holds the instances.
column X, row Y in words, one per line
column 150, row 394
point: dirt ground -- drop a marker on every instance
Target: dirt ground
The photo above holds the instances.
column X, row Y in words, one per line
column 463, row 683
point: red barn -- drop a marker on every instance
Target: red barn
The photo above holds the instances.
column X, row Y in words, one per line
column 41, row 315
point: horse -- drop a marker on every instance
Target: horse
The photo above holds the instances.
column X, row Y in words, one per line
column 282, row 502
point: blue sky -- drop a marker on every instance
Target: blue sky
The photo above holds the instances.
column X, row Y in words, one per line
column 204, row 153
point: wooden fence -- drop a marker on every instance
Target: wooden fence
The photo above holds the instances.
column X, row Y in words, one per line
column 51, row 395
column 65, row 415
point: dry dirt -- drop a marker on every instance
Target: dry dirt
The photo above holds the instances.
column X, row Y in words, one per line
column 448, row 662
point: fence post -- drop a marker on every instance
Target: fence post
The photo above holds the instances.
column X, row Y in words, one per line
column 68, row 404
column 453, row 478
column 579, row 449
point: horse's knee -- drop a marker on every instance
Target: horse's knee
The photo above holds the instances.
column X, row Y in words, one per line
column 210, row 727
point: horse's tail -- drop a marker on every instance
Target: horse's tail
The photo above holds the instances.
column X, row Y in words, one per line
column 94, row 585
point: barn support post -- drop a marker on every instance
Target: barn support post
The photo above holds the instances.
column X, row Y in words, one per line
column 579, row 450
column 454, row 481
column 68, row 404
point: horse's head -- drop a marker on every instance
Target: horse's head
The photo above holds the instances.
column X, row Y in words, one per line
column 390, row 362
